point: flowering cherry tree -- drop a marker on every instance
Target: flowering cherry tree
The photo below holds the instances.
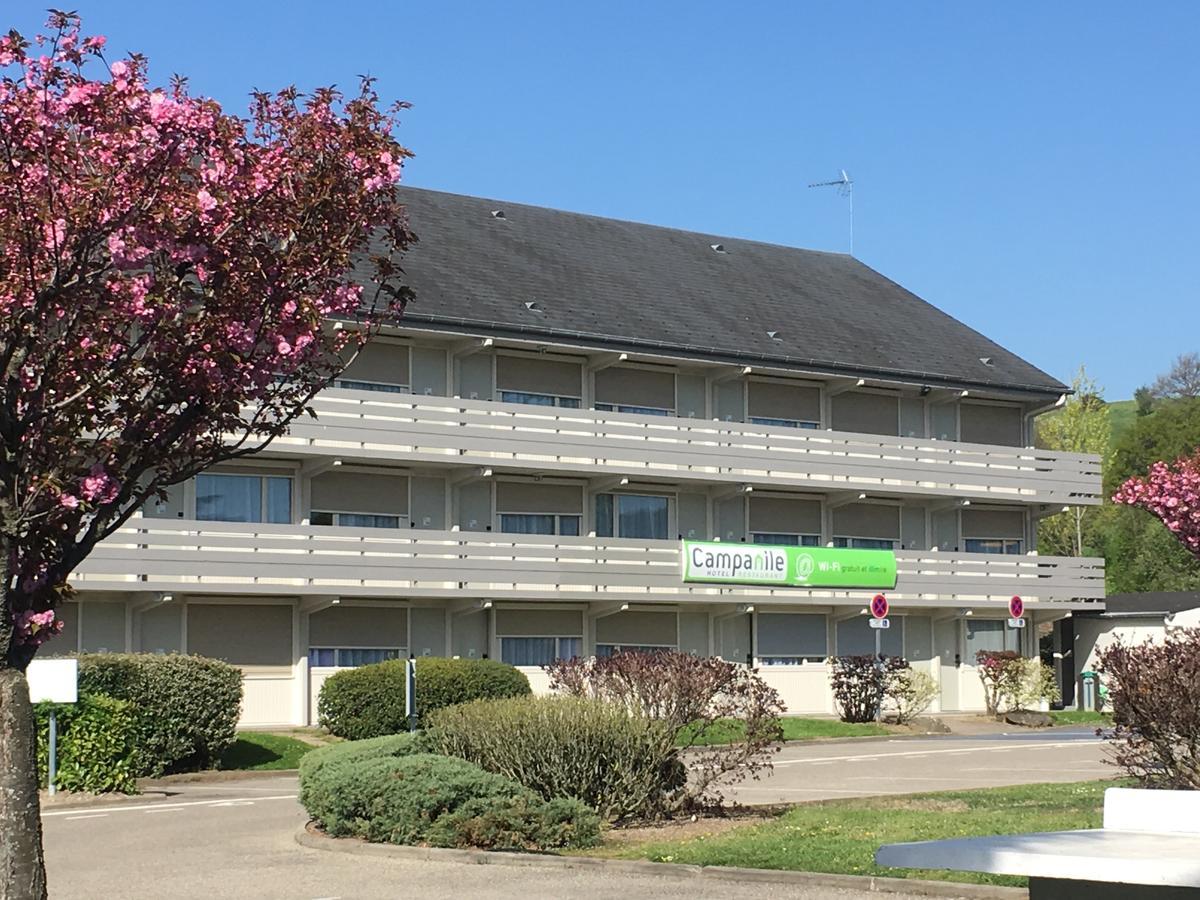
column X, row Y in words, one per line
column 168, row 273
column 1171, row 492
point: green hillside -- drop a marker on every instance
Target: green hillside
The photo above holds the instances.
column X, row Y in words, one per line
column 1121, row 415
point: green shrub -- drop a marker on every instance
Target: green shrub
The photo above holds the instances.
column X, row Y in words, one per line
column 369, row 701
column 320, row 788
column 620, row 762
column 429, row 799
column 187, row 707
column 97, row 745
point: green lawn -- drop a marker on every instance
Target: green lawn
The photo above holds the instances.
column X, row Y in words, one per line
column 1080, row 717
column 795, row 728
column 260, row 751
column 841, row 836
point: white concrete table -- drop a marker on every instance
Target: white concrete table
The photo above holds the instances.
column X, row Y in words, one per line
column 1148, row 848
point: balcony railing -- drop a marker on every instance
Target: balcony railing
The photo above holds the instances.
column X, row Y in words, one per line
column 230, row 558
column 442, row 430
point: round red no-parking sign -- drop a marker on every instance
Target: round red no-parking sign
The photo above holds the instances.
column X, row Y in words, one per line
column 1016, row 607
column 879, row 606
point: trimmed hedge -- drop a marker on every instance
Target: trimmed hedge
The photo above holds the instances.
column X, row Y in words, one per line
column 187, row 707
column 97, row 744
column 620, row 762
column 378, row 794
column 368, row 701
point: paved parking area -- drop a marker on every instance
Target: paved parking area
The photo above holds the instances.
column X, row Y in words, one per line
column 236, row 839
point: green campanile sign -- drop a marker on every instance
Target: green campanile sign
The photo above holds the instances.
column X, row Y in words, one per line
column 719, row 563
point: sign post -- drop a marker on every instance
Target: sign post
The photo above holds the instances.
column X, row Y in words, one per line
column 879, row 621
column 1016, row 612
column 410, row 692
column 53, row 681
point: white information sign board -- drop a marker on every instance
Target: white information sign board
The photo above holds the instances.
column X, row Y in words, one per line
column 53, row 680
column 880, row 623
column 1016, row 623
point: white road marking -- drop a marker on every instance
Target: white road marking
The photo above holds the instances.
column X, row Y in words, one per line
column 88, row 816
column 168, row 809
column 876, row 756
column 145, row 806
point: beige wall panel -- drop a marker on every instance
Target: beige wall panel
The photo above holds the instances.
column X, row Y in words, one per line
column 534, row 497
column 636, row 387
column 784, row 515
column 692, row 510
column 539, row 376
column 693, row 633
column 241, row 634
column 428, row 630
column 67, row 640
column 386, row 363
column 469, row 635
column 993, row 523
column 986, row 424
column 359, row 492
column 429, row 371
column 161, row 628
column 777, row 400
column 638, row 628
column 539, row 622
column 103, row 626
column 691, row 391
column 359, row 626
column 866, row 413
column 867, row 520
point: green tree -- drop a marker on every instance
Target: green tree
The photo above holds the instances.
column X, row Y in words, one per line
column 1081, row 426
column 1140, row 553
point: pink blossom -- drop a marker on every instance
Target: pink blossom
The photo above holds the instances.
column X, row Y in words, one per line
column 68, row 501
column 205, row 200
column 98, row 486
column 119, row 69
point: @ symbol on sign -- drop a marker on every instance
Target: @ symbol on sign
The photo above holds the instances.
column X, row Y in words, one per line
column 804, row 566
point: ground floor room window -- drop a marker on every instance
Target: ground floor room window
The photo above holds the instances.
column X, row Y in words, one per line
column 531, row 399
column 244, row 498
column 611, row 649
column 353, row 384
column 632, row 516
column 992, row 635
column 357, row 520
column 538, row 651
column 1008, row 546
column 864, row 543
column 540, row 523
column 856, row 637
column 347, row 657
column 786, row 540
column 782, row 423
column 637, row 410
column 792, row 639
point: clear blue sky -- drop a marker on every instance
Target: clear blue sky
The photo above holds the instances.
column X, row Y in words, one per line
column 1031, row 168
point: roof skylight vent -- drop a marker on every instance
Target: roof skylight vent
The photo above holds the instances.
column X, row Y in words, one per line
column 987, row 361
column 775, row 335
column 717, row 248
column 498, row 214
column 533, row 306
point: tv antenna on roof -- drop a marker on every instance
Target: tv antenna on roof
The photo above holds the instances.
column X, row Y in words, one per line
column 845, row 186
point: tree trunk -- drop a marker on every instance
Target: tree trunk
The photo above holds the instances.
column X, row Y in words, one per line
column 22, row 868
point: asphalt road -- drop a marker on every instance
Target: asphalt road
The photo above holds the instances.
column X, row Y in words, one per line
column 236, row 839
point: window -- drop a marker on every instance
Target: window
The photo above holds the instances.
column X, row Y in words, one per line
column 533, row 399
column 349, row 657
column 1010, row 546
column 357, row 520
column 244, row 498
column 791, row 639
column 538, row 651
column 856, row 637
column 539, row 523
column 612, row 649
column 990, row 634
column 638, row 410
column 782, row 423
column 857, row 543
column 353, row 384
column 632, row 516
column 786, row 540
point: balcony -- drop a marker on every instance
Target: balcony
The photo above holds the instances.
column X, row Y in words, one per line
column 438, row 430
column 242, row 559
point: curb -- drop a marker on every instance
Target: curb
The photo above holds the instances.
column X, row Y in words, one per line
column 872, row 884
column 217, row 775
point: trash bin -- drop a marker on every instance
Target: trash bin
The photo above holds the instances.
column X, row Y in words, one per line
column 1091, row 690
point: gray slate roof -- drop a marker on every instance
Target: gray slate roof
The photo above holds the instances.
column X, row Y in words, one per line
column 622, row 285
column 1152, row 602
